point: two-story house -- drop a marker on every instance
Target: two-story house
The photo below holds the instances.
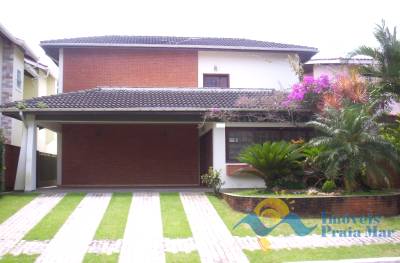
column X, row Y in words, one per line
column 131, row 109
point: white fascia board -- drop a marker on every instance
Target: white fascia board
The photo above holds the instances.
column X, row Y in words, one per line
column 180, row 47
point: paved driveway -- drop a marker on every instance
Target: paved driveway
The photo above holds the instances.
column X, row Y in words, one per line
column 143, row 239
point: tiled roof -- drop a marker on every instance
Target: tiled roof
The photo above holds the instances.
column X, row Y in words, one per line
column 175, row 42
column 152, row 99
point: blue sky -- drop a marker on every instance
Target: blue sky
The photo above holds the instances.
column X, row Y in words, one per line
column 335, row 27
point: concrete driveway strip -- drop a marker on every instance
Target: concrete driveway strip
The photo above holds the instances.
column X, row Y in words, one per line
column 213, row 239
column 143, row 237
column 19, row 224
column 72, row 241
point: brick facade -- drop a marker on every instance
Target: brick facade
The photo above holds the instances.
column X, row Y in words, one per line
column 86, row 68
column 130, row 154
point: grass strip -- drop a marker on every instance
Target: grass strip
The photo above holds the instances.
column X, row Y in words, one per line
column 284, row 255
column 230, row 217
column 53, row 221
column 100, row 258
column 11, row 203
column 192, row 257
column 112, row 226
column 18, row 259
column 175, row 223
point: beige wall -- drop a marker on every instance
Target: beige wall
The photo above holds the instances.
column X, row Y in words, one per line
column 30, row 87
column 44, row 85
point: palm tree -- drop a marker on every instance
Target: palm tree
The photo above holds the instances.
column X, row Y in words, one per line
column 387, row 62
column 275, row 162
column 353, row 150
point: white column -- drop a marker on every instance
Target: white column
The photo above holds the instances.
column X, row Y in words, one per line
column 26, row 170
column 19, row 184
column 31, row 147
column 59, row 158
column 219, row 149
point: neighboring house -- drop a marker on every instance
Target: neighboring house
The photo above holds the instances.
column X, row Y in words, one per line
column 335, row 66
column 23, row 77
column 39, row 81
column 131, row 109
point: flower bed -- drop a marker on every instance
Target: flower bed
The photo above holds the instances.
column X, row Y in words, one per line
column 355, row 205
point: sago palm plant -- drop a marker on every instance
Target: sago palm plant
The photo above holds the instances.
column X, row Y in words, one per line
column 272, row 161
column 353, row 148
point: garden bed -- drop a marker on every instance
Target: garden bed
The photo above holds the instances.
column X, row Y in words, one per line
column 383, row 204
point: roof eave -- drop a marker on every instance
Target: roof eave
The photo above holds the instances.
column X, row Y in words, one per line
column 310, row 50
column 116, row 110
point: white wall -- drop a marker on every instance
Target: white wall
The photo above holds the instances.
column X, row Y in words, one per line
column 219, row 161
column 248, row 69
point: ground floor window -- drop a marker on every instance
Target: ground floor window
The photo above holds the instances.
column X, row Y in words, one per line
column 237, row 139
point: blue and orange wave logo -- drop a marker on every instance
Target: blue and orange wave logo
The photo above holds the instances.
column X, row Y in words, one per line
column 279, row 213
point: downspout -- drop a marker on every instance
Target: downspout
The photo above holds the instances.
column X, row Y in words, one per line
column 21, row 114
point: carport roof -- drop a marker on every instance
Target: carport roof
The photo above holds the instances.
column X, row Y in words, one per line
column 111, row 99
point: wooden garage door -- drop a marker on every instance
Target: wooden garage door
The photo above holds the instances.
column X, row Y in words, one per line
column 130, row 155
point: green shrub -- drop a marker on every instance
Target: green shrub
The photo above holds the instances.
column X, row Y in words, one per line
column 277, row 163
column 328, row 186
column 353, row 149
column 213, row 180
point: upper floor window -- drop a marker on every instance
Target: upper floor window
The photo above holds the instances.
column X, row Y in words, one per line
column 216, row 80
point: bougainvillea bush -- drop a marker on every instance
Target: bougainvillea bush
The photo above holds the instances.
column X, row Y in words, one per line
column 319, row 93
column 309, row 93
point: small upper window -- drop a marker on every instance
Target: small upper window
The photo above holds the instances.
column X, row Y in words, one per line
column 19, row 79
column 216, row 80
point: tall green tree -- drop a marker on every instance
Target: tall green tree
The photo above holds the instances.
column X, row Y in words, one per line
column 353, row 149
column 386, row 68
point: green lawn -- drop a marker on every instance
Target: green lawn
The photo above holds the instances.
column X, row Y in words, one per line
column 192, row 257
column 11, row 203
column 370, row 251
column 175, row 224
column 113, row 224
column 231, row 217
column 18, row 259
column 52, row 222
column 100, row 258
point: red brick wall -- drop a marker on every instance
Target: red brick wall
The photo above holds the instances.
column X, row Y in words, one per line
column 232, row 169
column 130, row 155
column 383, row 205
column 86, row 68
